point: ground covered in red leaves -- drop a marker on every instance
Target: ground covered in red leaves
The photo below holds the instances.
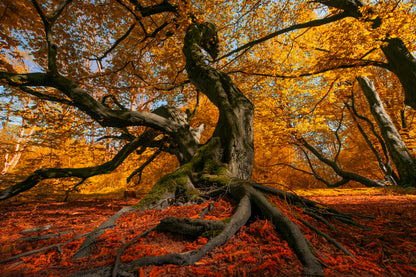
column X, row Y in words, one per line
column 256, row 250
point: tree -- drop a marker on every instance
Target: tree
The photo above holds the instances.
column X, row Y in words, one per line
column 143, row 54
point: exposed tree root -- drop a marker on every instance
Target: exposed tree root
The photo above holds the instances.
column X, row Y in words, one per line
column 327, row 237
column 117, row 262
column 189, row 227
column 312, row 208
column 247, row 193
column 240, row 218
column 290, row 232
column 57, row 246
column 90, row 240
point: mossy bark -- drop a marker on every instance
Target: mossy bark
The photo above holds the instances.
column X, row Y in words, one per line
column 188, row 183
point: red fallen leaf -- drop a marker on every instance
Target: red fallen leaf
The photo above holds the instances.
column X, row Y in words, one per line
column 156, row 271
column 202, row 240
column 230, row 270
column 201, row 262
column 372, row 244
column 249, row 259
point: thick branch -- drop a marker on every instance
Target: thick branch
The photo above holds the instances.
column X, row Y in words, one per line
column 350, row 7
column 234, row 127
column 384, row 166
column 403, row 64
column 165, row 6
column 48, row 24
column 345, row 66
column 105, row 116
column 46, row 96
column 344, row 174
column 83, row 173
column 343, row 181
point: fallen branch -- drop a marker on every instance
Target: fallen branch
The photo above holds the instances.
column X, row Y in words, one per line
column 37, row 229
column 57, row 246
column 45, row 237
column 85, row 249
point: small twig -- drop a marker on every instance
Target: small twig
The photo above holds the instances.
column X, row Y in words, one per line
column 327, row 237
column 45, row 237
column 117, row 262
column 206, row 209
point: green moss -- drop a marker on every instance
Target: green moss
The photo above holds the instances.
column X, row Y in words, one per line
column 222, row 180
column 226, row 220
column 168, row 183
column 209, row 171
column 211, row 234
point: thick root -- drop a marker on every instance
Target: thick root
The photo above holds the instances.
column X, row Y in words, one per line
column 290, row 232
column 241, row 216
column 247, row 194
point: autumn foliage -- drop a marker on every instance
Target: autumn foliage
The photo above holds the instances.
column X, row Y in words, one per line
column 220, row 106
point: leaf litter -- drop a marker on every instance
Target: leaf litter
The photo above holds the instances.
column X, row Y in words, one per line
column 388, row 249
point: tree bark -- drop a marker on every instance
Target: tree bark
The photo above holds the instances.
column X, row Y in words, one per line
column 235, row 123
column 403, row 64
column 405, row 163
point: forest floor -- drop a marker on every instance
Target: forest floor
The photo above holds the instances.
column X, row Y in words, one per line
column 389, row 249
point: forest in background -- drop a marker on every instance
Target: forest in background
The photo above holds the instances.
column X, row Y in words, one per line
column 302, row 84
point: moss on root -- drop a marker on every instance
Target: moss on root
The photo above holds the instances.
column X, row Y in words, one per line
column 166, row 188
column 204, row 169
column 211, row 233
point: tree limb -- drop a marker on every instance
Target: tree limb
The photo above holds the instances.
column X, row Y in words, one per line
column 116, row 43
column 344, row 174
column 384, row 166
column 83, row 173
column 313, row 23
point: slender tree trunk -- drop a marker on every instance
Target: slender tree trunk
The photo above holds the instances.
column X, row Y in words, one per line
column 405, row 163
column 21, row 144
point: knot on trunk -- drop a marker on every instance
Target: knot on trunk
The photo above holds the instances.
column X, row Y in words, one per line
column 206, row 36
column 174, row 114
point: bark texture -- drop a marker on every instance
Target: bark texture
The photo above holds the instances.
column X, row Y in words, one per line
column 403, row 64
column 405, row 163
column 235, row 123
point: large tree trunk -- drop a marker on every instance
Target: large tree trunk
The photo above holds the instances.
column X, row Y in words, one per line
column 230, row 151
column 405, row 163
column 403, row 64
column 235, row 124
